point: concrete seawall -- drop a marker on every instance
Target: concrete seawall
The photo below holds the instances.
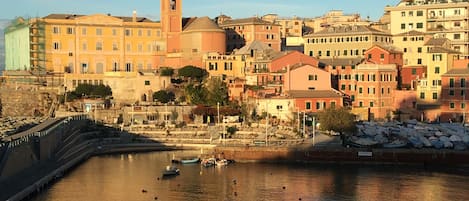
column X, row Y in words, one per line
column 347, row 155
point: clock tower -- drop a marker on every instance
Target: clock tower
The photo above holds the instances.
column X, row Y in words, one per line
column 171, row 21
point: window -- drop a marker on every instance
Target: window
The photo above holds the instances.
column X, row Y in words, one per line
column 419, row 13
column 69, row 30
column 451, row 105
column 437, row 57
column 99, row 46
column 402, row 26
column 128, row 47
column 372, row 104
column 451, row 92
column 311, row 53
column 83, row 31
column 128, row 67
column 411, row 25
column 451, row 82
column 84, row 68
column 332, row 104
column 405, row 50
column 381, row 56
column 312, row 77
column 435, row 96
column 139, row 32
column 360, row 104
column 128, row 32
column 114, row 32
column 308, row 105
column 115, row 47
column 411, row 13
column 99, row 32
column 84, row 46
column 99, row 68
column 147, row 82
column 370, row 56
column 56, row 46
column 115, row 67
column 402, row 14
column 463, row 105
column 457, row 36
column 437, row 70
column 419, row 49
column 56, row 30
column 462, row 92
column 414, row 71
column 463, row 82
column 172, row 4
column 318, row 105
column 419, row 25
column 342, row 87
column 419, row 61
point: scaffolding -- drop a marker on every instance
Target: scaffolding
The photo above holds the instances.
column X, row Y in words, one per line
column 37, row 38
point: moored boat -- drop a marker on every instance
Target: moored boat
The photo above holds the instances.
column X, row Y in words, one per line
column 170, row 171
column 189, row 161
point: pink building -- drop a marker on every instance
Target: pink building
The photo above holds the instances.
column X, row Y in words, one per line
column 239, row 32
column 454, row 96
column 307, row 78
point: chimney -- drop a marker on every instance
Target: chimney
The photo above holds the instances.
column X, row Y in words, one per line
column 134, row 16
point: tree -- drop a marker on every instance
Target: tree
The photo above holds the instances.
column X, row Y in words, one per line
column 217, row 92
column 92, row 90
column 195, row 94
column 163, row 96
column 337, row 119
column 166, row 71
column 192, row 72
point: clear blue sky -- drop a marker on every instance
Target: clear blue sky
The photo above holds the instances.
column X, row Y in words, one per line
column 211, row 8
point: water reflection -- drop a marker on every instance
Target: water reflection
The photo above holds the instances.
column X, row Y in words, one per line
column 123, row 177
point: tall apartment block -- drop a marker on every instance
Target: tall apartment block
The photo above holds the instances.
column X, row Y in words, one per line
column 442, row 18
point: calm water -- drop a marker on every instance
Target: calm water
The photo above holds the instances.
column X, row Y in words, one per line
column 122, row 177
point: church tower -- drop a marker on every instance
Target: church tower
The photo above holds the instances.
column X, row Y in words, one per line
column 171, row 21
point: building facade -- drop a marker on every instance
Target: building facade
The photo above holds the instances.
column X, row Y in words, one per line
column 240, row 32
column 454, row 96
column 344, row 41
column 443, row 18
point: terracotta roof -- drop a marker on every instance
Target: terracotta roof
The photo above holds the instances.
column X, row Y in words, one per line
column 341, row 30
column 202, row 24
column 457, row 71
column 314, row 94
column 437, row 42
column 412, row 33
column 251, row 20
column 442, row 50
column 341, row 61
column 389, row 48
column 74, row 16
column 254, row 45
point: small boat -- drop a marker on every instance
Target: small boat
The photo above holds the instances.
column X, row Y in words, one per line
column 209, row 162
column 222, row 162
column 170, row 171
column 189, row 161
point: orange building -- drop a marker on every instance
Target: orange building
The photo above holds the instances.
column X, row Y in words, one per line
column 239, row 32
column 453, row 96
column 187, row 40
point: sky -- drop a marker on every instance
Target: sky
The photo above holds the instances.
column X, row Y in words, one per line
column 191, row 8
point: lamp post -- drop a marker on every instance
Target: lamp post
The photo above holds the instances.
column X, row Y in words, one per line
column 266, row 122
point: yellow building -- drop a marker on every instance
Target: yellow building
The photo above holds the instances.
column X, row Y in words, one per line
column 440, row 60
column 444, row 18
column 331, row 19
column 412, row 45
column 344, row 41
column 79, row 44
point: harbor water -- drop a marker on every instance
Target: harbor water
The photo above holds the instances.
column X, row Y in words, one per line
column 138, row 177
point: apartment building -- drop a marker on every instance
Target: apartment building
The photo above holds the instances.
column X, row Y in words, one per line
column 239, row 32
column 333, row 18
column 454, row 97
column 442, row 18
column 344, row 41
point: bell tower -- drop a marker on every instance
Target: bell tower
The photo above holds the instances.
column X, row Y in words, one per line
column 171, row 22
